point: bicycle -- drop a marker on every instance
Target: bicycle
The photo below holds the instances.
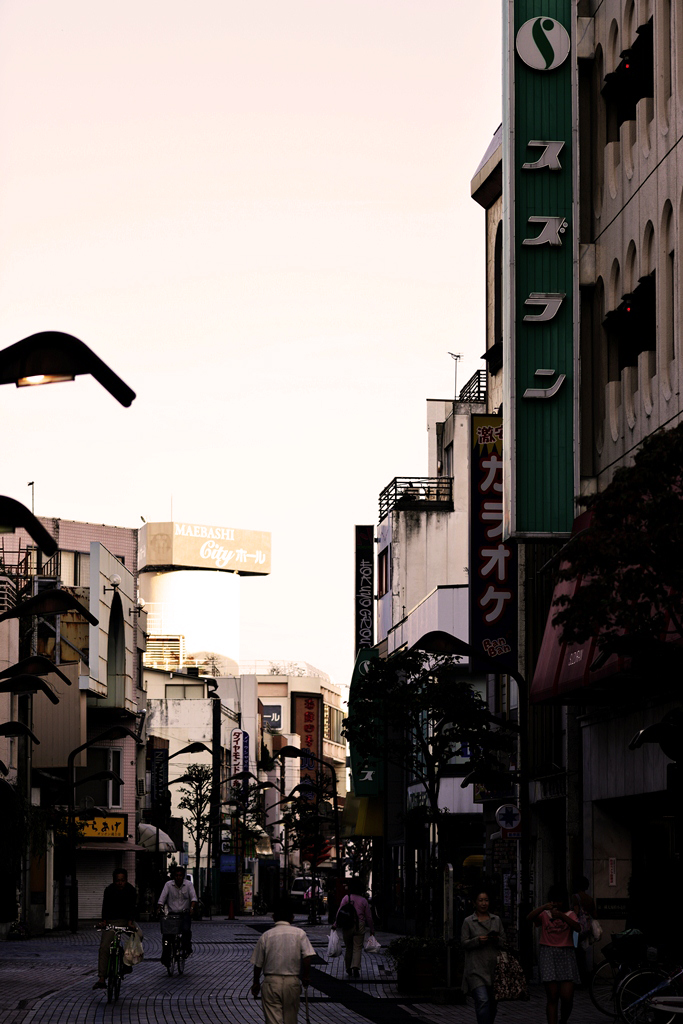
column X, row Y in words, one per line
column 172, row 940
column 650, row 995
column 622, row 956
column 115, row 964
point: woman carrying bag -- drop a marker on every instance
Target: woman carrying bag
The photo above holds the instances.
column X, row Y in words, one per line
column 482, row 936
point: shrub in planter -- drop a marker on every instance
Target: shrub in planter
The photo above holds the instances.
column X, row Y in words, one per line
column 420, row 963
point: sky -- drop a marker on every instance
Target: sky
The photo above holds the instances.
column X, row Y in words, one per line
column 258, row 214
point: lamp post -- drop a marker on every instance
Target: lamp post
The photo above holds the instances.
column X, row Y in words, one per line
column 192, row 748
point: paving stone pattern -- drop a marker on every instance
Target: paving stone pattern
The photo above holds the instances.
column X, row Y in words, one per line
column 49, row 981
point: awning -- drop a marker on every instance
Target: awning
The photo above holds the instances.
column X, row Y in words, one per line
column 148, row 839
column 97, row 847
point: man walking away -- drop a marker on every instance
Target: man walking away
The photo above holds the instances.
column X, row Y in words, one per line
column 353, row 917
column 118, row 908
column 283, row 953
column 180, row 897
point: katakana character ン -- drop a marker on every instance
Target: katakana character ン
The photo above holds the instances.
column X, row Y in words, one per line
column 493, row 465
column 497, row 599
column 494, row 559
column 492, row 512
column 546, row 392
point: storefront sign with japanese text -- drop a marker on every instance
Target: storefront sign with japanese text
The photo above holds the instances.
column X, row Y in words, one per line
column 111, row 826
column 307, row 722
column 364, row 589
column 541, row 279
column 195, row 546
column 493, row 561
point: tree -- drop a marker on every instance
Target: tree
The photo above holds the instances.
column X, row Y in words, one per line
column 196, row 796
column 629, row 559
column 419, row 712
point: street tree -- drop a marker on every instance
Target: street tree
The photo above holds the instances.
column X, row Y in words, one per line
column 419, row 711
column 629, row 559
column 196, row 796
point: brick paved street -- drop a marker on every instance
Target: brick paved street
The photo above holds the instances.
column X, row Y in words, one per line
column 49, row 981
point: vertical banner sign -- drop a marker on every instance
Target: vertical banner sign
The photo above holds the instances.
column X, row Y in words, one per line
column 364, row 589
column 307, row 722
column 237, row 744
column 159, row 776
column 493, row 562
column 541, row 238
column 367, row 776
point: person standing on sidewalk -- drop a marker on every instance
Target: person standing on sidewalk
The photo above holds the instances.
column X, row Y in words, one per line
column 556, row 956
column 353, row 917
column 180, row 897
column 481, row 937
column 284, row 954
column 118, row 908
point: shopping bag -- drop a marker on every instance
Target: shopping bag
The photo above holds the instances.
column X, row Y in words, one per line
column 596, row 930
column 509, row 981
column 132, row 952
column 334, row 946
column 371, row 945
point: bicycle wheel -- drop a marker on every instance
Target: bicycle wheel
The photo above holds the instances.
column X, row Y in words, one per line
column 170, row 966
column 633, row 993
column 181, row 961
column 117, row 986
column 602, row 988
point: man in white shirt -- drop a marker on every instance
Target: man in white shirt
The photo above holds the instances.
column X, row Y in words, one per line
column 180, row 897
column 284, row 954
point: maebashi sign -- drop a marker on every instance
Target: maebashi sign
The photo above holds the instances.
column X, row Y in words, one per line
column 167, row 546
column 540, row 231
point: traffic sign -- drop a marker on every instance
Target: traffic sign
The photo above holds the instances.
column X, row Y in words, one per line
column 508, row 817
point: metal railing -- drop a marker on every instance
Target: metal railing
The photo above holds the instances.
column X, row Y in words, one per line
column 420, row 493
column 475, row 389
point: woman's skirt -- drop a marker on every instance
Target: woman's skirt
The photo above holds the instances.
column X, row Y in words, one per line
column 558, row 963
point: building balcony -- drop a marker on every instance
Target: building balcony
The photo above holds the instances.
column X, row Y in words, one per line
column 418, row 494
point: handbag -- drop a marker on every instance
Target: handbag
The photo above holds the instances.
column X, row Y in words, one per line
column 509, row 981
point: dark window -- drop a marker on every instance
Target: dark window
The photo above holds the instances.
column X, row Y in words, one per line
column 632, row 326
column 630, row 82
column 384, row 572
column 448, row 453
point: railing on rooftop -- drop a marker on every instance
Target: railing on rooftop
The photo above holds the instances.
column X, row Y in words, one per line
column 475, row 389
column 417, row 493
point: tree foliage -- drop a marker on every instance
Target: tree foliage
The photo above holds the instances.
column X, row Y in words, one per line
column 420, row 712
column 196, row 796
column 629, row 560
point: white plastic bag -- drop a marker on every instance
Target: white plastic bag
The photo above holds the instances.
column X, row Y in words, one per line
column 596, row 929
column 334, row 946
column 133, row 953
column 371, row 945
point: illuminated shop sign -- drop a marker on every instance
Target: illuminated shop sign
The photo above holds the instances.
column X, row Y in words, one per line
column 167, row 546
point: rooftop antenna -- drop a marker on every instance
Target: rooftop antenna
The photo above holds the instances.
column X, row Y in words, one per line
column 456, row 356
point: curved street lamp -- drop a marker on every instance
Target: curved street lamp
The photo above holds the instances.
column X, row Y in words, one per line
column 52, row 357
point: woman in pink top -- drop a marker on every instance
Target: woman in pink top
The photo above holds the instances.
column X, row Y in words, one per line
column 353, row 925
column 556, row 956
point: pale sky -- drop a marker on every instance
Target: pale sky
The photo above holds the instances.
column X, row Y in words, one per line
column 258, row 214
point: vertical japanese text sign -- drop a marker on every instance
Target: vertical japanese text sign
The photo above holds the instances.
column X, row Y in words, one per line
column 307, row 722
column 541, row 291
column 364, row 589
column 493, row 562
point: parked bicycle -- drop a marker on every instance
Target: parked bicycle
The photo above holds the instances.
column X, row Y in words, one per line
column 624, row 954
column 172, row 953
column 651, row 995
column 115, row 965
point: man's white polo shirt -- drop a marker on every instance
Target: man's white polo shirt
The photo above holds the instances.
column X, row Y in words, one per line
column 281, row 948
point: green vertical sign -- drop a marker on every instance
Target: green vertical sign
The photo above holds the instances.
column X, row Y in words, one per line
column 541, row 240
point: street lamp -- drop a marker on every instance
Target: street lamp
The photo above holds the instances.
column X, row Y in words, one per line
column 52, row 357
column 291, row 751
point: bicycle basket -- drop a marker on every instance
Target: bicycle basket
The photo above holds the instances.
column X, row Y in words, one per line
column 171, row 925
column 626, row 947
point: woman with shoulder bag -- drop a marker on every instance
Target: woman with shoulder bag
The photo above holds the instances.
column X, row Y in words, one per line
column 556, row 956
column 482, row 936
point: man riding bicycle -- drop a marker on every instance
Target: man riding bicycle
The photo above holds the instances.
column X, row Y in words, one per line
column 180, row 898
column 118, row 908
